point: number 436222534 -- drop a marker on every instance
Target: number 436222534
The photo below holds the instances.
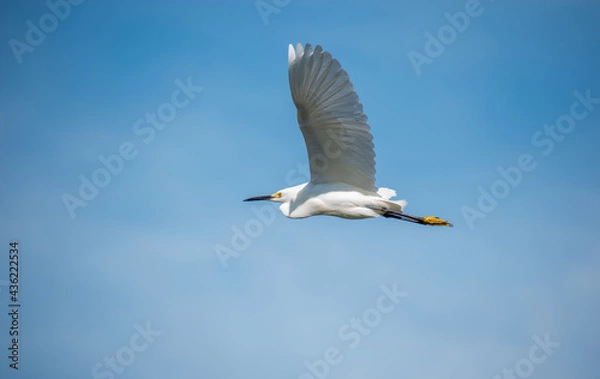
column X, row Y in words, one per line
column 13, row 270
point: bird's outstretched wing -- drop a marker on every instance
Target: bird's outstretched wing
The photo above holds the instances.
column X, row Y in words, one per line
column 331, row 118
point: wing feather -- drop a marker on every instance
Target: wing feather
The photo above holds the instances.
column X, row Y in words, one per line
column 331, row 118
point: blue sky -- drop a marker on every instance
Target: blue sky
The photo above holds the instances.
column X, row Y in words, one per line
column 143, row 248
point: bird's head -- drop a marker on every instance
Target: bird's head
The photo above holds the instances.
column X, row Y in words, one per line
column 286, row 195
column 282, row 196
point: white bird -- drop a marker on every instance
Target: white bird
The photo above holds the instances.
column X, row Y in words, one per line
column 339, row 144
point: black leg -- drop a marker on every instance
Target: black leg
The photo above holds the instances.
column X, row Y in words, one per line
column 404, row 217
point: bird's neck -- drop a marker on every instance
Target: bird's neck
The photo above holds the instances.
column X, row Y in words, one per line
column 287, row 208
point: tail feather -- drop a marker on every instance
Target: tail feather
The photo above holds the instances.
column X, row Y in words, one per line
column 387, row 194
column 401, row 203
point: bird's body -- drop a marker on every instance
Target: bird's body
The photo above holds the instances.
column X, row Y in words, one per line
column 338, row 199
column 339, row 145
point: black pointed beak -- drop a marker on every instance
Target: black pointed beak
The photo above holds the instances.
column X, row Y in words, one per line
column 257, row 198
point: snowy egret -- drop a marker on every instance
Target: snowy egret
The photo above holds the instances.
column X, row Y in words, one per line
column 339, row 145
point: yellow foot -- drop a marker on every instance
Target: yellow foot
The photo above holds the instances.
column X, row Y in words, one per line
column 432, row 220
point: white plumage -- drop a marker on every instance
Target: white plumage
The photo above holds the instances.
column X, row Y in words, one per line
column 339, row 145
